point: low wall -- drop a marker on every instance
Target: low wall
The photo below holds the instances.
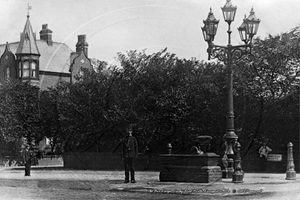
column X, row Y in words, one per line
column 254, row 163
column 108, row 161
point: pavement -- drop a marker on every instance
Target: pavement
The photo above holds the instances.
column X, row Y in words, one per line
column 257, row 185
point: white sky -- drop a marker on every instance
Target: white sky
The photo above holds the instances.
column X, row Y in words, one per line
column 115, row 26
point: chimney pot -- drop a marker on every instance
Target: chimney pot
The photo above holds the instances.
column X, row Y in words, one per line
column 46, row 34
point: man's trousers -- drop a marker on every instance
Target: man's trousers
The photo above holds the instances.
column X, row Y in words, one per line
column 129, row 166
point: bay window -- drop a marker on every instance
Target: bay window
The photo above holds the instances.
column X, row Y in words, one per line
column 28, row 69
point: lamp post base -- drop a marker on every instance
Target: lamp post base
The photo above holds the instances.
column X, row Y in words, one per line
column 238, row 177
column 291, row 175
column 228, row 171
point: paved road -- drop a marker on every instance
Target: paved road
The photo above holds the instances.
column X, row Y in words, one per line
column 58, row 183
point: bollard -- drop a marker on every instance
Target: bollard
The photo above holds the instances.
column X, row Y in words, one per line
column 169, row 147
column 290, row 169
column 238, row 175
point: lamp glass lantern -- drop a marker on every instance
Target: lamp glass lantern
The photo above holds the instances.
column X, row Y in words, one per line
column 229, row 12
column 210, row 27
column 251, row 24
column 243, row 33
column 206, row 37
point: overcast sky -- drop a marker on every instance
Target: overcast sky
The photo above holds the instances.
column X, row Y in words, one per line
column 115, row 26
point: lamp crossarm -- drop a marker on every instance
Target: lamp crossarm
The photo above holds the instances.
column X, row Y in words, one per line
column 222, row 53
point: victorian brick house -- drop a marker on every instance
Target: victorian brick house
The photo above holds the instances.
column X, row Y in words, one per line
column 43, row 62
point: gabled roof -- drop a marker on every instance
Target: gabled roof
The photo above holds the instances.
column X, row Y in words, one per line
column 28, row 44
column 55, row 58
column 7, row 51
column 82, row 56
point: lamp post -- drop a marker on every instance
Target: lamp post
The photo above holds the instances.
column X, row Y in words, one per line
column 228, row 54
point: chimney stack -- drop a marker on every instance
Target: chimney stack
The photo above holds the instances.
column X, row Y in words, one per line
column 46, row 34
column 82, row 45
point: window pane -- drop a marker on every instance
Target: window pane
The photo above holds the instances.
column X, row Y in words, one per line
column 33, row 69
column 33, row 73
column 20, row 69
column 33, row 65
column 26, row 65
column 26, row 69
column 7, row 72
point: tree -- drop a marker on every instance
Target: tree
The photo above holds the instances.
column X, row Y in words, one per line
column 19, row 114
column 263, row 81
column 173, row 99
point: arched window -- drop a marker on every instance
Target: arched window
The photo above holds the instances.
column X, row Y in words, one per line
column 26, row 69
column 8, row 72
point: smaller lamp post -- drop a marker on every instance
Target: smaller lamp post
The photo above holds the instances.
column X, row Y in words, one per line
column 238, row 175
column 290, row 169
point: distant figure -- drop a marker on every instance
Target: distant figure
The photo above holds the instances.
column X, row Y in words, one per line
column 27, row 160
column 149, row 155
column 264, row 150
column 130, row 153
column 263, row 154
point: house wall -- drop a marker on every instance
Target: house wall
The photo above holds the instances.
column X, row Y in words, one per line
column 48, row 79
column 79, row 63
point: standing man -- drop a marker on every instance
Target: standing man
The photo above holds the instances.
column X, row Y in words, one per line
column 27, row 160
column 130, row 153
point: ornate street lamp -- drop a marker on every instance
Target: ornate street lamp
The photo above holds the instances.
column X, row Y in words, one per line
column 228, row 54
column 210, row 27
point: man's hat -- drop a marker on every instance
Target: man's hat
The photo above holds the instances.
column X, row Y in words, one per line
column 130, row 127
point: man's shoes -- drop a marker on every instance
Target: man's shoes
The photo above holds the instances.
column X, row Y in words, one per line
column 133, row 181
column 126, row 181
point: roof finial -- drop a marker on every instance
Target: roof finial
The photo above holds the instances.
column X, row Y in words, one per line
column 28, row 8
